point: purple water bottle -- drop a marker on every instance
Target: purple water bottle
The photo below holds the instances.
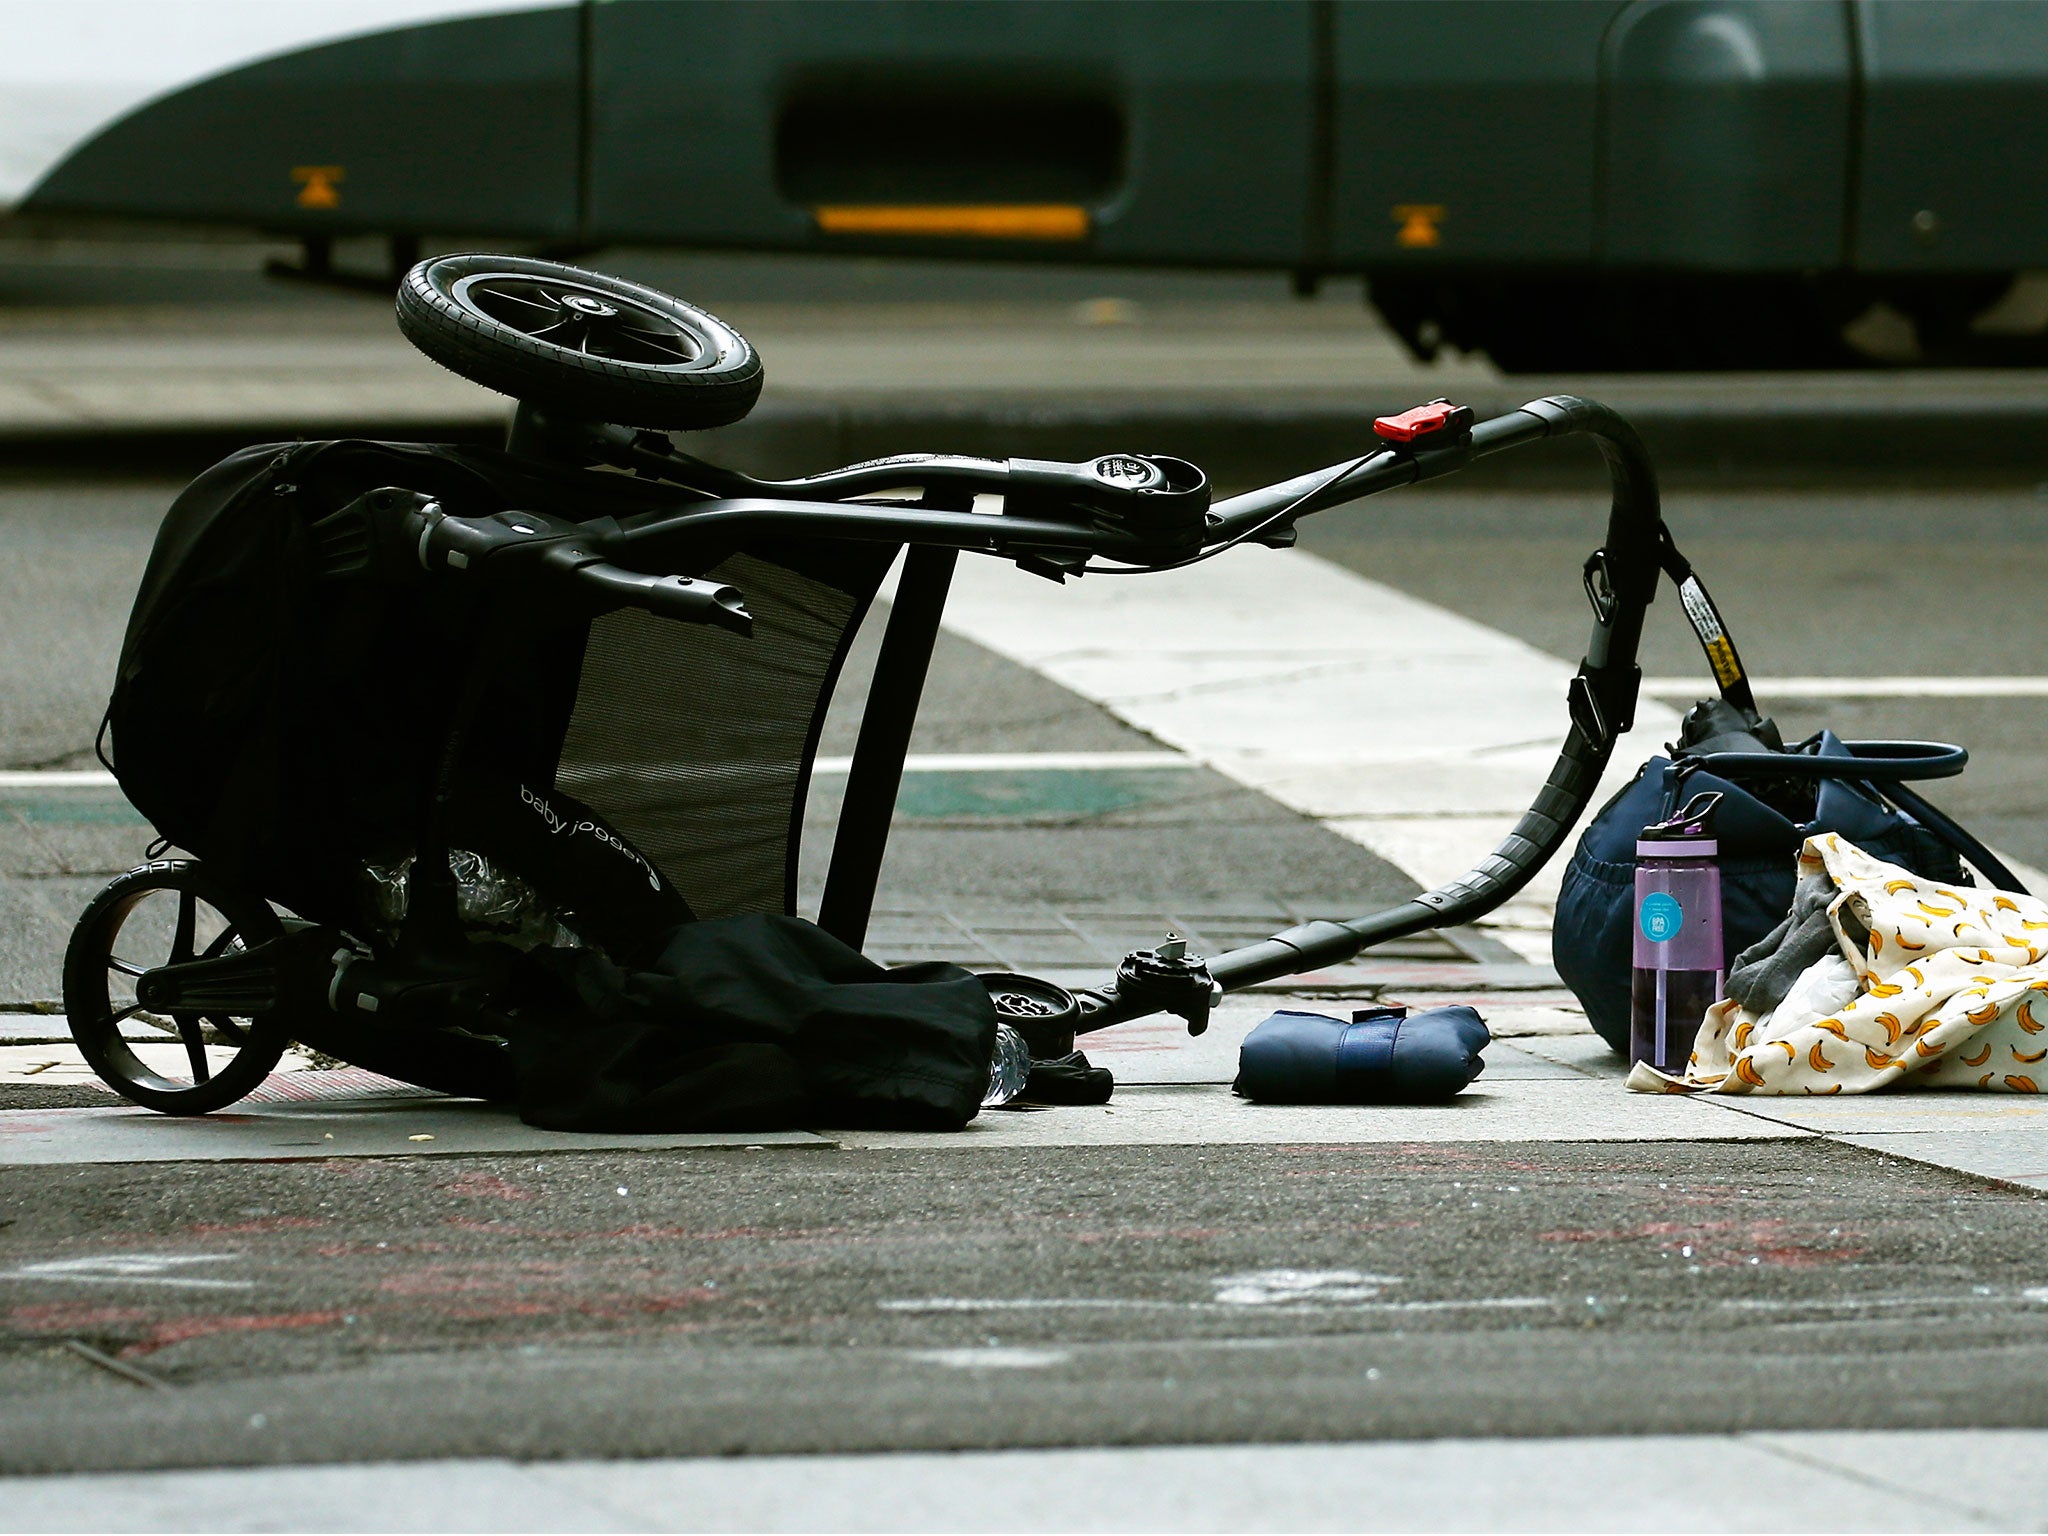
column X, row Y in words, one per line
column 1678, row 956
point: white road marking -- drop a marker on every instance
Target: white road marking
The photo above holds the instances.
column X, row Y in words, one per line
column 1021, row 762
column 827, row 767
column 1024, row 1304
column 1410, row 729
column 1287, row 1287
column 1869, row 1303
column 993, row 1357
column 1690, row 688
column 1123, row 1304
column 132, row 1269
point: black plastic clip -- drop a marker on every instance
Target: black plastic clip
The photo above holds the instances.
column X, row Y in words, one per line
column 1602, row 702
column 1600, row 586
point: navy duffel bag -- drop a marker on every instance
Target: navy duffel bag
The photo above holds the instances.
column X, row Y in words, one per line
column 1772, row 799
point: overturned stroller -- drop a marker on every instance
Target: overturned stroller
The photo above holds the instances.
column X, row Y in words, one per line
column 493, row 764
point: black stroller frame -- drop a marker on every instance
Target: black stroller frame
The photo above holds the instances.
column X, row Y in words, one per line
column 270, row 980
column 1621, row 582
column 612, row 560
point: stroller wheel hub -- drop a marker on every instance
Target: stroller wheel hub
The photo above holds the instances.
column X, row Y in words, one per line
column 583, row 304
column 1043, row 1013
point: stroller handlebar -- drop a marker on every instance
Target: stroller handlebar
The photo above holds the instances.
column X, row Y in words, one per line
column 532, row 548
column 1601, row 699
column 684, row 598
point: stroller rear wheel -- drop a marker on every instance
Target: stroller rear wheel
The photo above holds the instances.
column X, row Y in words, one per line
column 162, row 914
column 585, row 344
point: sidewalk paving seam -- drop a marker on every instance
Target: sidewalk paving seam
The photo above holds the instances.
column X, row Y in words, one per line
column 1766, row 1441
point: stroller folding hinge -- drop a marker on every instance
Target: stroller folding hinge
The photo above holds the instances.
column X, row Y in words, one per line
column 1169, row 980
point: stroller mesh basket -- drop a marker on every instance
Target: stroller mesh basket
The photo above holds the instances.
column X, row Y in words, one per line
column 697, row 743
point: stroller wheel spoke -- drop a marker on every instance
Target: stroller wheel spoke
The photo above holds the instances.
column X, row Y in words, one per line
column 188, row 920
column 125, row 967
column 512, row 298
column 195, row 1049
column 228, row 1029
column 654, row 341
column 655, row 352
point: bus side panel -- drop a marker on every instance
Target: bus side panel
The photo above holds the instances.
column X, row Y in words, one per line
column 1955, row 135
column 1180, row 131
column 456, row 127
column 1727, row 138
column 1465, row 134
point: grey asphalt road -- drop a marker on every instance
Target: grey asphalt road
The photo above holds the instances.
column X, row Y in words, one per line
column 730, row 1302
column 864, row 1299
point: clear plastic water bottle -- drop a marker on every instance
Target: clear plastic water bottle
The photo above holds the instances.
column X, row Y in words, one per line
column 1010, row 1068
column 1679, row 962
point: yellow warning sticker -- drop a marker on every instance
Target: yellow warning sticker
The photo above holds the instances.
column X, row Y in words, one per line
column 1721, row 657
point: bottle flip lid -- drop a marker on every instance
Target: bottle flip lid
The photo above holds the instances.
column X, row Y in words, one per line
column 1689, row 834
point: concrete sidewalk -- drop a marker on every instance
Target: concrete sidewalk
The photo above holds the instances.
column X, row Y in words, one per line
column 1743, row 1482
column 1539, row 1087
column 1249, row 390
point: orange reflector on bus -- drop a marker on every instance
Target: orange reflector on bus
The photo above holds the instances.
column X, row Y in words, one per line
column 985, row 221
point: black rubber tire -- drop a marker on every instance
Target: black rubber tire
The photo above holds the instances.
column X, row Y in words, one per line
column 96, row 1021
column 445, row 308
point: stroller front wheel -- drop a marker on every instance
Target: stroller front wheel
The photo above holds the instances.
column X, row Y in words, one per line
column 161, row 914
column 585, row 344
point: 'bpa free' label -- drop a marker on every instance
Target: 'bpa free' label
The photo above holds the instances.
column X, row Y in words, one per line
column 1660, row 916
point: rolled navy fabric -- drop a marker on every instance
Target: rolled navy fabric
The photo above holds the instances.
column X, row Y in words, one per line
column 1380, row 1056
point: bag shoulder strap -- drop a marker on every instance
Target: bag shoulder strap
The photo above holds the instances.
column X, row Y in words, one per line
column 1881, row 766
column 1863, row 761
column 1707, row 624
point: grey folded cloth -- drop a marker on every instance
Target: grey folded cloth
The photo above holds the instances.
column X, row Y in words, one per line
column 1763, row 973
